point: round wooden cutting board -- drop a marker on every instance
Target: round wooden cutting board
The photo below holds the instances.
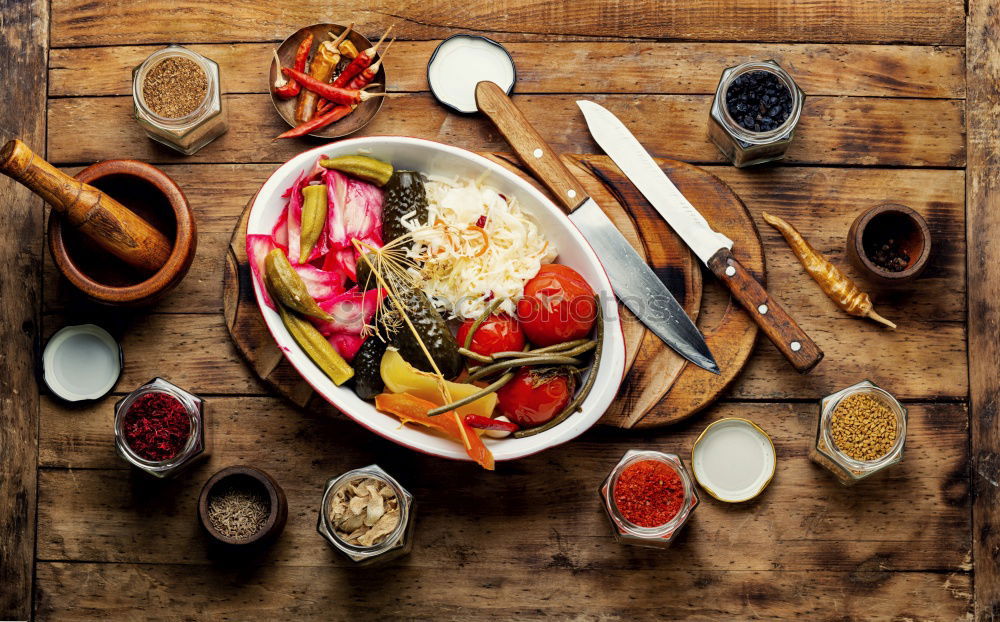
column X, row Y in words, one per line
column 660, row 387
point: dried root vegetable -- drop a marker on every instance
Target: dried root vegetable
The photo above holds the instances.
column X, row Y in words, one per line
column 837, row 285
column 364, row 511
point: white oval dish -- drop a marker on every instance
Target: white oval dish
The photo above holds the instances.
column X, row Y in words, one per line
column 733, row 460
column 438, row 159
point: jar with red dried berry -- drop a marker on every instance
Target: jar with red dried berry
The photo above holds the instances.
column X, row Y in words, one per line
column 160, row 428
column 755, row 112
column 649, row 497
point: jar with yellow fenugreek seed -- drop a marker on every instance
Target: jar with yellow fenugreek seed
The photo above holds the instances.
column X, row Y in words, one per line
column 861, row 430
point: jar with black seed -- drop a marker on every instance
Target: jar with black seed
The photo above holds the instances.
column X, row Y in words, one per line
column 756, row 108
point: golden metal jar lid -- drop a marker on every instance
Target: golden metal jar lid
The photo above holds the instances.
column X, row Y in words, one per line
column 733, row 460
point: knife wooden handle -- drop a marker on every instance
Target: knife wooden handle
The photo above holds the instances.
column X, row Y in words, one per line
column 772, row 318
column 530, row 146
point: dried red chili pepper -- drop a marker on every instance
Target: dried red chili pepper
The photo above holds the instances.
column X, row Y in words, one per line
column 157, row 426
column 335, row 94
column 291, row 88
column 333, row 114
column 360, row 62
column 649, row 493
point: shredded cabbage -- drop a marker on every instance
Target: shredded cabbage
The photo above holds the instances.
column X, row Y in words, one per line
column 475, row 246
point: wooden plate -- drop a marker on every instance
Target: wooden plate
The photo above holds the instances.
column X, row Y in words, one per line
column 353, row 122
column 660, row 387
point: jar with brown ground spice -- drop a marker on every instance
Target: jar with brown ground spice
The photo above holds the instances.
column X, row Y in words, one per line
column 861, row 430
column 177, row 99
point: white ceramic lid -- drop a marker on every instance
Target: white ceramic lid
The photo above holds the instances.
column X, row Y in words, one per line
column 733, row 460
column 461, row 62
column 81, row 363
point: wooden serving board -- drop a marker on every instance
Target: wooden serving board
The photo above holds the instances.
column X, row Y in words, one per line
column 660, row 387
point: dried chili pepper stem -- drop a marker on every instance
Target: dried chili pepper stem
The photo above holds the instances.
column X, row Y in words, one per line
column 834, row 283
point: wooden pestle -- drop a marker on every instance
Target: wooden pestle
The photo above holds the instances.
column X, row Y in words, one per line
column 107, row 222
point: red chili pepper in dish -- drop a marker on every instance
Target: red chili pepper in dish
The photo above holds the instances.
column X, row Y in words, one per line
column 316, row 123
column 360, row 62
column 485, row 423
column 321, row 68
column 365, row 78
column 335, row 94
column 291, row 88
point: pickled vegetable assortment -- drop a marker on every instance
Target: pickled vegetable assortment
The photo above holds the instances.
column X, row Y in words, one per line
column 357, row 266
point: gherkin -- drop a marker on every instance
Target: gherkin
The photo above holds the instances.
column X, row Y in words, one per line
column 403, row 194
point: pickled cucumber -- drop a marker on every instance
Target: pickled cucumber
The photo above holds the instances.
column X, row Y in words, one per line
column 362, row 167
column 403, row 194
column 314, row 211
column 367, row 368
column 285, row 284
column 433, row 331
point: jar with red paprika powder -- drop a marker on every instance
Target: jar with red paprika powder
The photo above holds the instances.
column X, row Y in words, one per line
column 160, row 428
column 649, row 496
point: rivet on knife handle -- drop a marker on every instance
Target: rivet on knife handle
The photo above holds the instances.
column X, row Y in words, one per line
column 530, row 146
column 772, row 318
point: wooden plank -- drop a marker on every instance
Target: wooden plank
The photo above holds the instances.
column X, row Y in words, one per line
column 605, row 67
column 475, row 591
column 863, row 131
column 23, row 58
column 89, row 513
column 983, row 192
column 83, row 22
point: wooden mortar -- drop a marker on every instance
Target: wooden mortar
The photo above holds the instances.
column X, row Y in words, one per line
column 130, row 237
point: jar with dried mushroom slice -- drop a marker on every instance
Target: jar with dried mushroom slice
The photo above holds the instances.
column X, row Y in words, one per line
column 366, row 515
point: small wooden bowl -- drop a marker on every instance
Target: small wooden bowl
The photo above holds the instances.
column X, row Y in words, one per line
column 899, row 223
column 150, row 193
column 353, row 122
column 275, row 523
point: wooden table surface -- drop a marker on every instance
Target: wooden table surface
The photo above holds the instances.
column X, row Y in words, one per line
column 902, row 106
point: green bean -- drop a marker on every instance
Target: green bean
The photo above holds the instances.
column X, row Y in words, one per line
column 479, row 321
column 475, row 355
column 550, row 359
column 558, row 348
column 584, row 391
column 440, row 410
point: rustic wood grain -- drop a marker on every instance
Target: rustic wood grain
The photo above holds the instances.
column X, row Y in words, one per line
column 598, row 67
column 83, row 22
column 23, row 53
column 983, row 227
column 153, row 592
column 98, row 510
column 863, row 131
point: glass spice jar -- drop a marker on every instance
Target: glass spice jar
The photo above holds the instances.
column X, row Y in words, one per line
column 825, row 452
column 398, row 543
column 627, row 532
column 194, row 448
column 745, row 147
column 195, row 129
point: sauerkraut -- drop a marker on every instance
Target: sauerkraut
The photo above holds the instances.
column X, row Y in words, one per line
column 475, row 246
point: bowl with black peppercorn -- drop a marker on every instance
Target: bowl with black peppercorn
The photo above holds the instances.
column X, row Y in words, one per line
column 755, row 112
column 890, row 244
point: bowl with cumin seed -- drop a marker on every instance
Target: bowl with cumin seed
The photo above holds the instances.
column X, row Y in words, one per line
column 242, row 508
